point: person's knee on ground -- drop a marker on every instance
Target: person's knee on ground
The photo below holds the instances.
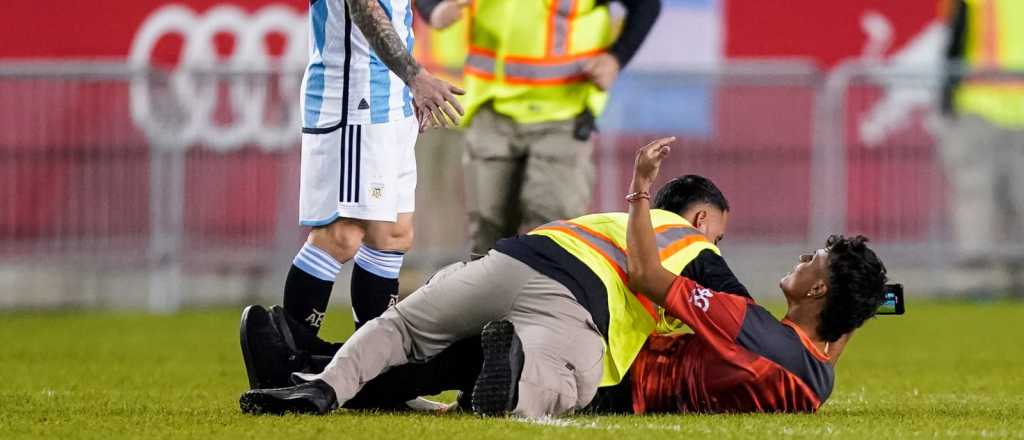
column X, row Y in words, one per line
column 378, row 262
column 547, row 387
column 556, row 378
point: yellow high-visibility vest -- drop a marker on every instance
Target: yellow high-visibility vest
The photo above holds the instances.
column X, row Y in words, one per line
column 599, row 241
column 994, row 39
column 526, row 57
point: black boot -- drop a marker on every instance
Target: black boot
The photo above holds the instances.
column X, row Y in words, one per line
column 316, row 397
column 269, row 361
column 298, row 336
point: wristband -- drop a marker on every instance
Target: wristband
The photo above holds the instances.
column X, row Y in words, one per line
column 634, row 196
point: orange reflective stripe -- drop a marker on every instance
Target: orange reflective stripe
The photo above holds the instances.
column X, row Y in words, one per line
column 549, row 60
column 563, row 69
column 482, row 51
column 479, row 65
column 546, row 81
column 670, row 239
column 678, row 245
column 989, row 34
column 552, row 74
column 560, row 18
column 552, row 20
column 479, row 62
column 603, row 246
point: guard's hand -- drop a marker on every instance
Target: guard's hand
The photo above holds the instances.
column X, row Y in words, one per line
column 435, row 101
column 602, row 70
column 649, row 158
column 447, row 13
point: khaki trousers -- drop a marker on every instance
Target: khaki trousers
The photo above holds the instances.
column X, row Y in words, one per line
column 563, row 348
column 520, row 176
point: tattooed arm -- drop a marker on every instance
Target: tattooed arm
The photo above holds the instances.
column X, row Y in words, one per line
column 434, row 98
column 381, row 34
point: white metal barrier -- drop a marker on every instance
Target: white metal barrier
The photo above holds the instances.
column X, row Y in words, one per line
column 154, row 189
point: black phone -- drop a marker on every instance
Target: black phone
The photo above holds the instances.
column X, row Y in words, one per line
column 893, row 302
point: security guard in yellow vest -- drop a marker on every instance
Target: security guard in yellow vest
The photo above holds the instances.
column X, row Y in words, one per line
column 552, row 307
column 536, row 76
column 983, row 144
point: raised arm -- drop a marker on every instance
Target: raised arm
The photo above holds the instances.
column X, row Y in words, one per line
column 646, row 274
column 434, row 98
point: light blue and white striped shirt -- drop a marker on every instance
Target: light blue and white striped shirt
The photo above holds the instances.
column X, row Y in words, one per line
column 341, row 64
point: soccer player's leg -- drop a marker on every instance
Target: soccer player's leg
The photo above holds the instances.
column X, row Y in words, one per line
column 332, row 241
column 378, row 263
column 382, row 192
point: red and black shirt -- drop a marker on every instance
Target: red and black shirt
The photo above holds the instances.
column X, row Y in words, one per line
column 738, row 359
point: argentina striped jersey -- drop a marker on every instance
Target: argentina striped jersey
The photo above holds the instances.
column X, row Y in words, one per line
column 345, row 82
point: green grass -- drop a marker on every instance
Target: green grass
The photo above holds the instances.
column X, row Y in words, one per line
column 944, row 370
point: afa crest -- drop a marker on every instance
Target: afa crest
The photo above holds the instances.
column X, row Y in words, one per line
column 377, row 191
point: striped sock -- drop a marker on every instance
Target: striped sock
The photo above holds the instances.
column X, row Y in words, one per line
column 308, row 287
column 374, row 282
column 317, row 262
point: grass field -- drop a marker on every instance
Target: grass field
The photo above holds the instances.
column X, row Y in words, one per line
column 943, row 370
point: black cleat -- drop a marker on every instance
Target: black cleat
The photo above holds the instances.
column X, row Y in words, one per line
column 298, row 337
column 268, row 360
column 315, row 397
column 495, row 391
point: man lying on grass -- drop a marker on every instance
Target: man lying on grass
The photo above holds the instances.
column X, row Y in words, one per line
column 739, row 358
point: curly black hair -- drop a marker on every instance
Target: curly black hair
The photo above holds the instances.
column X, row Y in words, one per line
column 856, row 286
column 680, row 193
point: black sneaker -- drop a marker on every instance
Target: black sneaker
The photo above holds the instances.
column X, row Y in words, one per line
column 298, row 336
column 315, row 397
column 495, row 392
column 269, row 361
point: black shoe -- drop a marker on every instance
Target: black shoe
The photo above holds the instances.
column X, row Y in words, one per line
column 495, row 392
column 269, row 361
column 316, row 397
column 298, row 336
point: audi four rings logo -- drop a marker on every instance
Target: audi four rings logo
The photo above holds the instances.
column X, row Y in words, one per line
column 197, row 98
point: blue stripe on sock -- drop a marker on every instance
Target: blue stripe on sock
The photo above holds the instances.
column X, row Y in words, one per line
column 383, row 254
column 317, row 263
column 322, row 270
column 311, row 269
column 321, row 256
column 370, row 261
column 387, row 262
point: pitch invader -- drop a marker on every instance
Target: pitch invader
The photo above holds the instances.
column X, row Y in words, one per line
column 364, row 100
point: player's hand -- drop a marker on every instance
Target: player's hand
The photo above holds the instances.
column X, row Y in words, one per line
column 447, row 13
column 649, row 158
column 435, row 101
column 602, row 70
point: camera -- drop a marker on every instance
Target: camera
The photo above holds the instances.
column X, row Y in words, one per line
column 893, row 302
